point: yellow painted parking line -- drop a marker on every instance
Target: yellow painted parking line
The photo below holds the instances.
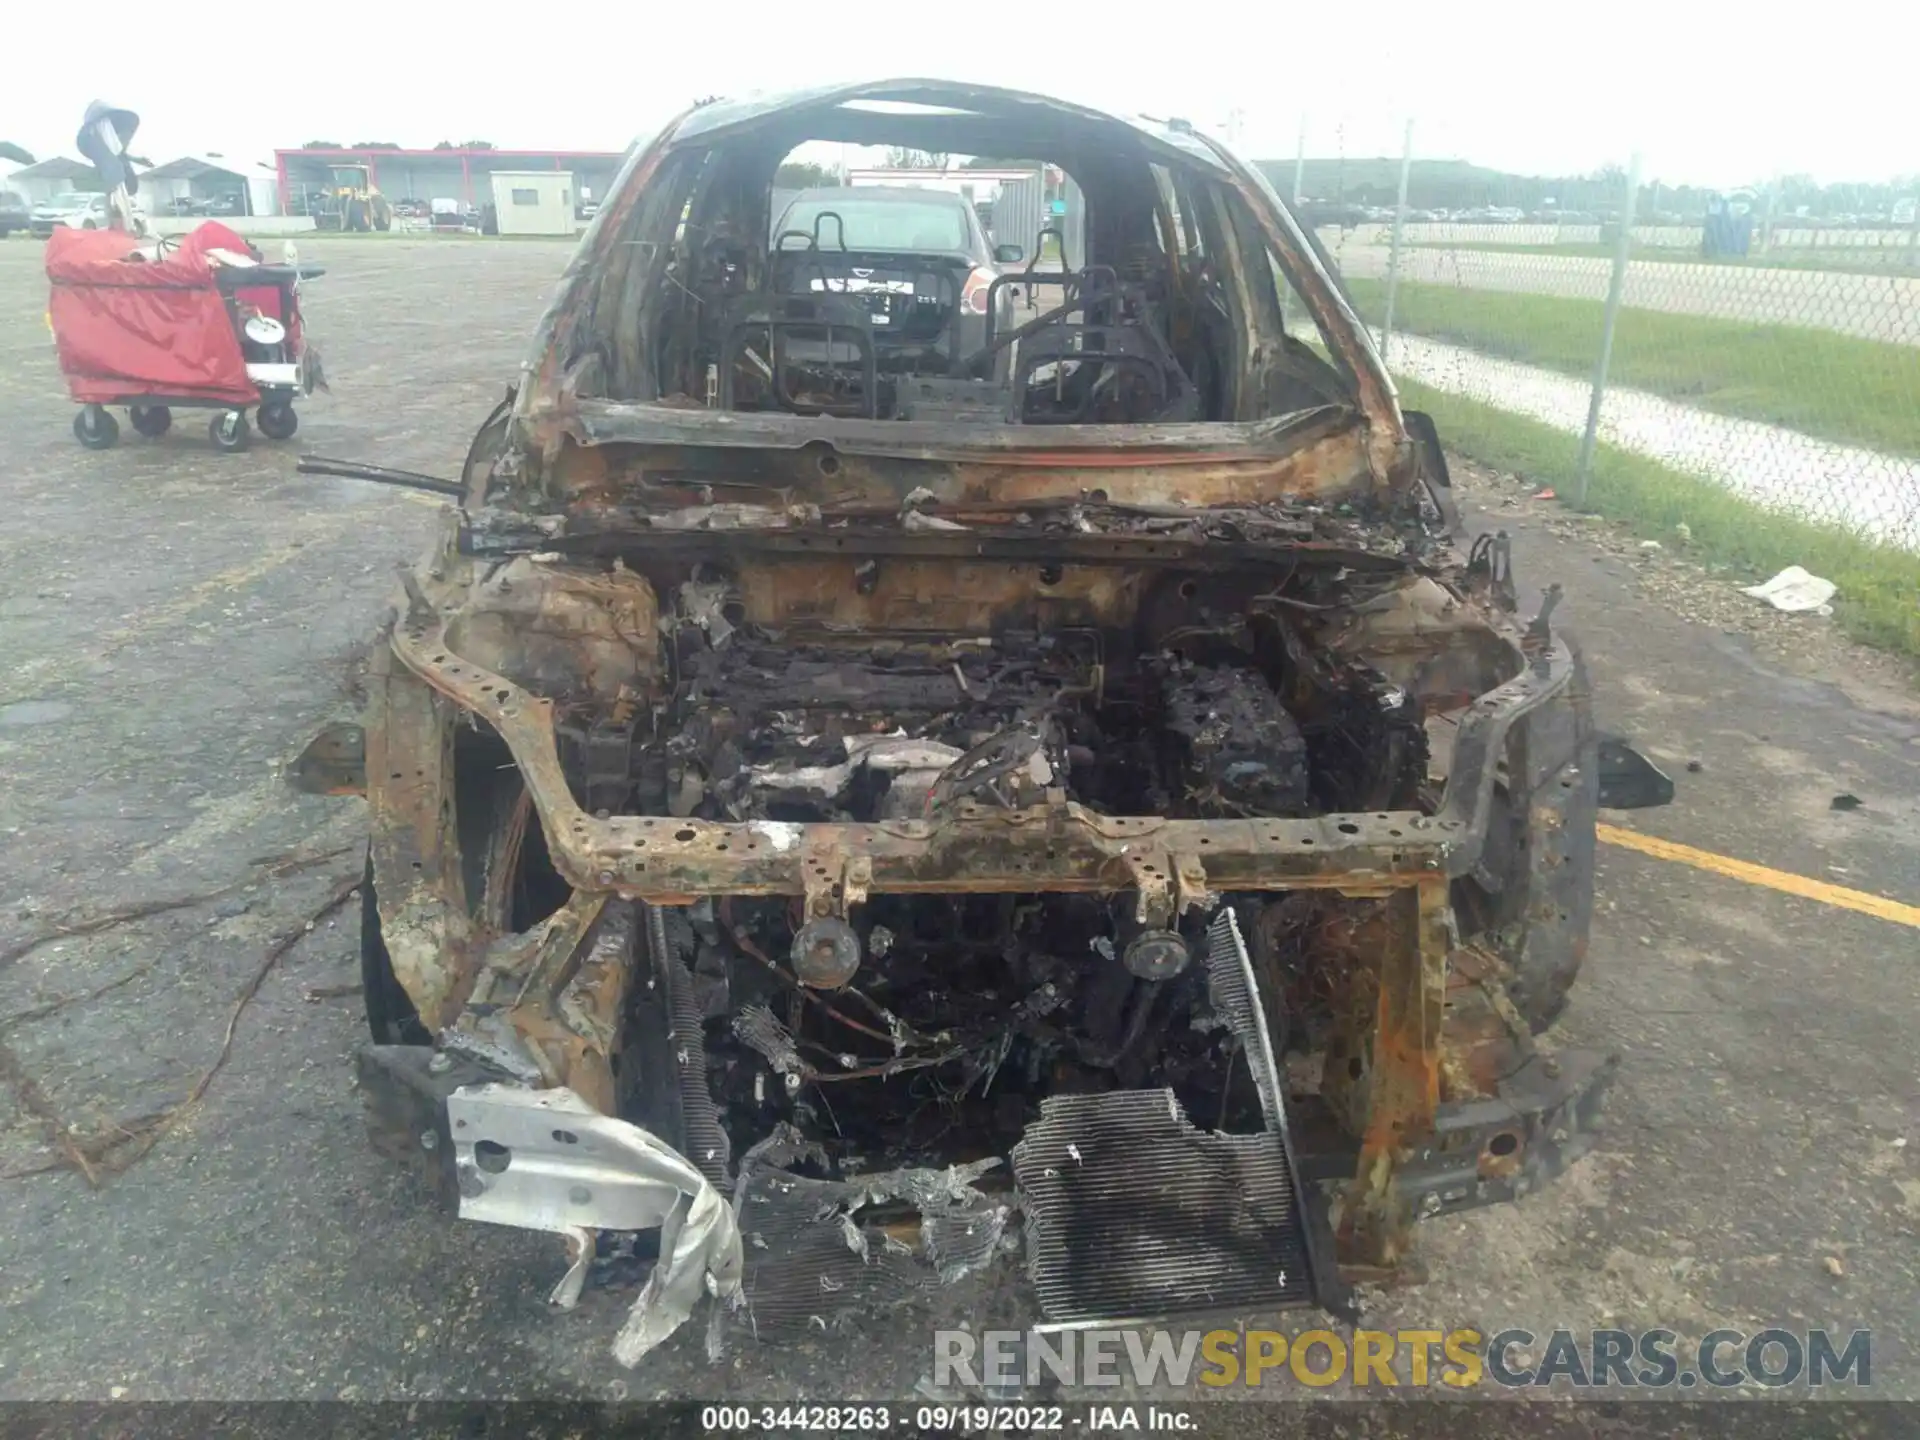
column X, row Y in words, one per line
column 194, row 596
column 310, row 531
column 65, row 665
column 1782, row 880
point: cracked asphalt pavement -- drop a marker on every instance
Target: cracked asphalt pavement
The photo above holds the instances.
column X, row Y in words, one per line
column 176, row 622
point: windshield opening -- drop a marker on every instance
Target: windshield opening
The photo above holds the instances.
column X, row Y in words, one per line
column 1088, row 278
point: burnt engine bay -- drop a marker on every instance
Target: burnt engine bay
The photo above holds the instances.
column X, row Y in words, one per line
column 926, row 1030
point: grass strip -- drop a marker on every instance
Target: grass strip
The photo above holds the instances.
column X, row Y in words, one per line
column 1818, row 382
column 1879, row 599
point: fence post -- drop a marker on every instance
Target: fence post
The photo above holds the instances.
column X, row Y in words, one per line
column 1300, row 162
column 1393, row 256
column 1615, row 288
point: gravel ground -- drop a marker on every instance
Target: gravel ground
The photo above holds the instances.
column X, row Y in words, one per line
column 177, row 622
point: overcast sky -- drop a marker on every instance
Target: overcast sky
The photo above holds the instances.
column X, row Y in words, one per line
column 1711, row 94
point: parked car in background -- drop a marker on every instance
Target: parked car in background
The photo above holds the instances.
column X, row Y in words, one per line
column 75, row 210
column 14, row 214
column 913, row 253
column 1317, row 213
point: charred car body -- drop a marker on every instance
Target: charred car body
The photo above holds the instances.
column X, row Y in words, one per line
column 836, row 789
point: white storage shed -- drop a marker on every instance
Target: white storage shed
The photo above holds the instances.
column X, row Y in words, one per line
column 534, row 202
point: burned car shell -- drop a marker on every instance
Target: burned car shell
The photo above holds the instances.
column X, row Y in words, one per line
column 619, row 536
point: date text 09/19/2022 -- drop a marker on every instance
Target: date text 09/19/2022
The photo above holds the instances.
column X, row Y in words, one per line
column 880, row 1417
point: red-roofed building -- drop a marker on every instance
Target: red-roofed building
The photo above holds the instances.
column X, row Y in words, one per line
column 461, row 174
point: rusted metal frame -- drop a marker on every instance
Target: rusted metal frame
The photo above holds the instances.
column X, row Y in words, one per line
column 1118, row 548
column 414, row 840
column 1402, row 1078
column 598, row 421
column 1556, row 757
column 1063, row 847
column 1066, row 847
column 540, row 371
column 571, row 1012
column 1482, row 735
column 1497, row 1147
column 510, row 1014
column 1389, row 445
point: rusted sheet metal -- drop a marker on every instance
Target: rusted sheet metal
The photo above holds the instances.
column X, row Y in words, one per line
column 1486, row 1039
column 1561, row 762
column 901, row 594
column 415, row 850
column 1389, row 446
column 1402, row 1072
column 560, row 629
column 1427, row 639
column 1110, row 546
column 1315, row 455
column 1064, row 848
column 571, row 1011
column 541, row 371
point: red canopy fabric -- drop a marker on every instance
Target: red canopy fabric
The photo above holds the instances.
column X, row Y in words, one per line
column 128, row 327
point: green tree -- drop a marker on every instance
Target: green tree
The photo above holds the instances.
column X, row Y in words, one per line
column 804, row 175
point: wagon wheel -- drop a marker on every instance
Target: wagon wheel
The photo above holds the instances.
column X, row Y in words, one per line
column 94, row 428
column 229, row 430
column 277, row 421
column 151, row 420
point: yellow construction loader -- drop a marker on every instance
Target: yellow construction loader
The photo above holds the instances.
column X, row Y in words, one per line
column 352, row 203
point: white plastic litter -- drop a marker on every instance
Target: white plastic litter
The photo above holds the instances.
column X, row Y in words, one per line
column 1796, row 591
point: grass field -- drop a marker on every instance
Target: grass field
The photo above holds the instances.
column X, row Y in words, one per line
column 1850, row 260
column 1821, row 383
column 1879, row 599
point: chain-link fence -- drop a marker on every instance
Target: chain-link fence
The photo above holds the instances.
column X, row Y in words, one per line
column 1776, row 357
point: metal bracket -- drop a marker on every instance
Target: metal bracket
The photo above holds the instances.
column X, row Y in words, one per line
column 1152, row 873
column 1169, row 885
column 833, row 883
column 607, row 751
column 1190, row 890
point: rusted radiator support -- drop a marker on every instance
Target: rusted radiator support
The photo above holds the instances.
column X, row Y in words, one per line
column 1401, row 1073
column 415, row 847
